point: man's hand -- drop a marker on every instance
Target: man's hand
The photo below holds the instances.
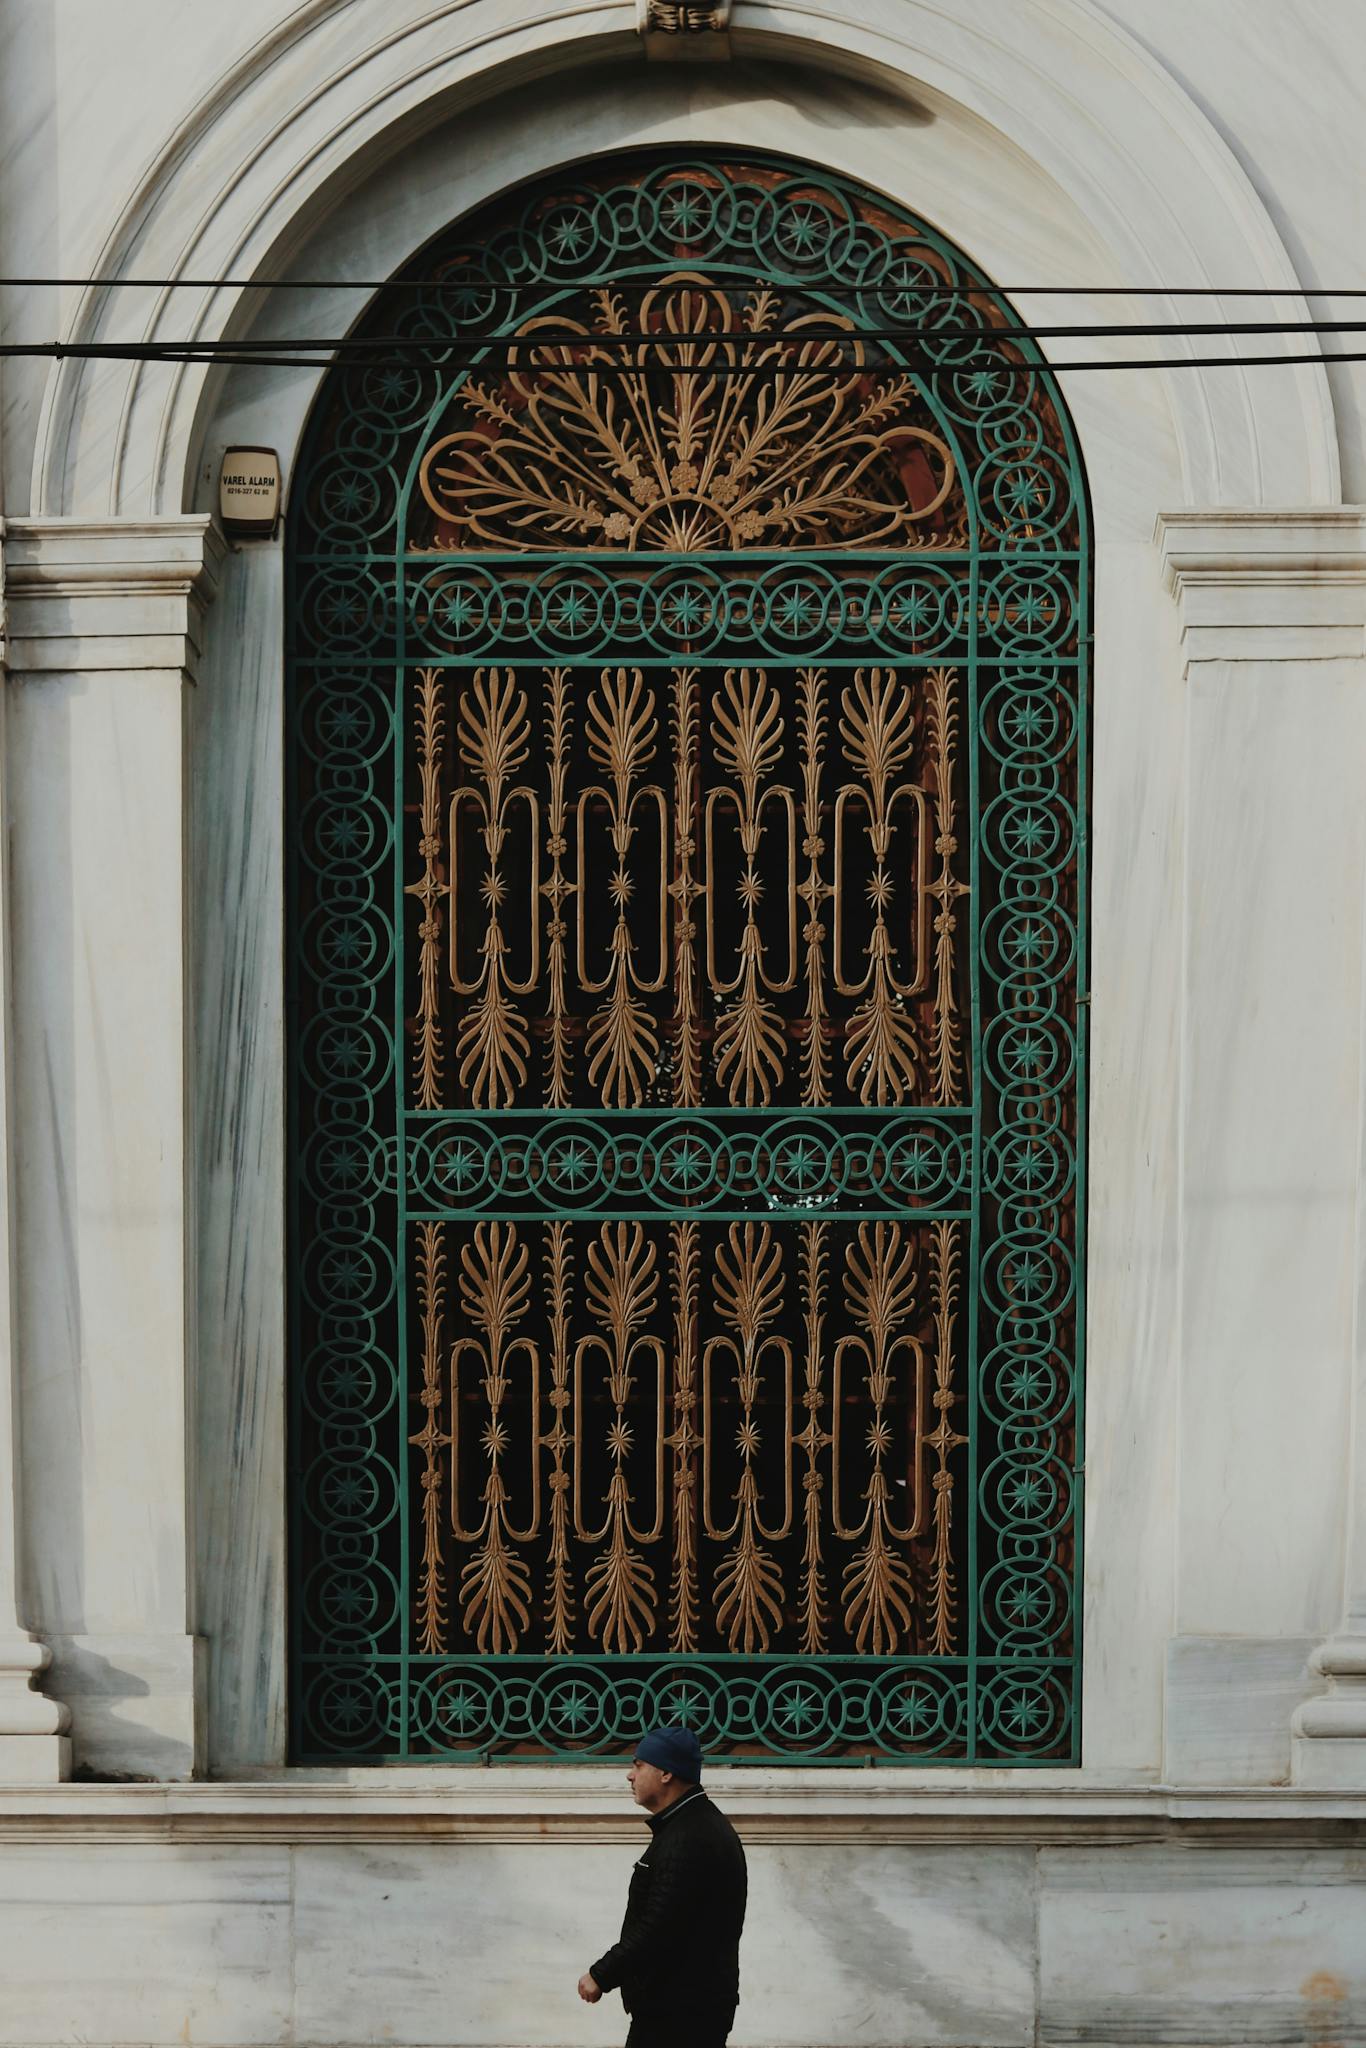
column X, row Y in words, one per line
column 589, row 1991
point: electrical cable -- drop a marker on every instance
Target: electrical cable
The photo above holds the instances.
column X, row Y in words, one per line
column 814, row 281
column 788, row 337
column 230, row 355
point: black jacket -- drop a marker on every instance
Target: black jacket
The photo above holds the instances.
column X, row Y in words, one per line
column 680, row 1941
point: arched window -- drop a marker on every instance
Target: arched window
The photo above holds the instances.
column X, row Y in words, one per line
column 689, row 573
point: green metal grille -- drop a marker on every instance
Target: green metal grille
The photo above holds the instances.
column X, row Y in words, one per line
column 409, row 560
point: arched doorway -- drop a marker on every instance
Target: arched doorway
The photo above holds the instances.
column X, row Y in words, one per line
column 689, row 573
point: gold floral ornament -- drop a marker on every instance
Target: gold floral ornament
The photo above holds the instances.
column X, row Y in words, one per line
column 729, row 426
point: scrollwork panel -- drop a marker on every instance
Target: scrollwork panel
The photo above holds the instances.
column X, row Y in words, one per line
column 673, row 1448
column 689, row 628
column 701, row 886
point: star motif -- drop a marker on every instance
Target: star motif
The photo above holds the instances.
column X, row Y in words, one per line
column 346, row 1052
column 1024, row 1603
column 572, row 611
column 348, row 1709
column 913, row 610
column 911, row 1711
column 569, row 234
column 347, row 1494
column 685, row 213
column 456, row 611
column 1030, row 1163
column 686, row 610
column 794, row 613
column 980, row 385
column 460, row 1708
column 343, row 1165
column 1028, row 943
column 573, row 1710
column 1025, row 1493
column 343, row 725
column 343, row 1384
column 908, row 275
column 799, row 1162
column 1027, row 832
column 1025, row 722
column 797, row 1711
column 341, row 611
column 1028, row 1054
column 1025, row 1385
column 1027, row 1277
column 391, row 385
column 343, row 833
column 570, row 1163
column 685, row 1163
column 1032, row 610
column 805, row 228
column 469, row 301
column 349, row 1599
column 345, row 943
column 344, row 1273
column 917, row 1163
column 458, row 1166
column 1023, row 491
column 1024, row 1713
column 350, row 494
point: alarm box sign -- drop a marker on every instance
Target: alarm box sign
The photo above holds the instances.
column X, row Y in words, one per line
column 249, row 493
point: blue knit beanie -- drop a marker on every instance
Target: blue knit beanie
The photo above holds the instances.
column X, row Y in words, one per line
column 672, row 1749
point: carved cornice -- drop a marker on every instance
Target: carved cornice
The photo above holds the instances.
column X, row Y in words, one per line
column 1259, row 585
column 107, row 594
column 684, row 28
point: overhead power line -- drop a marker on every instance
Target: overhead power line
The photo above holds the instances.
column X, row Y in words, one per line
column 551, row 334
column 471, row 283
column 232, row 354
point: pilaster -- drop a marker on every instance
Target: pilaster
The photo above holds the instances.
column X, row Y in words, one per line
column 1273, row 632
column 34, row 1747
column 1329, row 1747
column 105, row 626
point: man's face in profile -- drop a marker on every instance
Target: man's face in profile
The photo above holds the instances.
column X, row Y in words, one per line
column 648, row 1784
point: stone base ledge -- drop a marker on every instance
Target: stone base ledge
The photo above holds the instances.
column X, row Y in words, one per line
column 516, row 1804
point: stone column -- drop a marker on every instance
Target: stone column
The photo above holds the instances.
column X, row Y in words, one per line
column 104, row 631
column 1272, row 607
column 34, row 1747
column 1329, row 1748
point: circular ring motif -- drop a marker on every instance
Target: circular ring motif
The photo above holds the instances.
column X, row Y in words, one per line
column 1018, row 760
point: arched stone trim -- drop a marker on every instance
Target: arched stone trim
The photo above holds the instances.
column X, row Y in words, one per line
column 312, row 108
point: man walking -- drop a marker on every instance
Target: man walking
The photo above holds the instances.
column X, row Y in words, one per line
column 677, row 1963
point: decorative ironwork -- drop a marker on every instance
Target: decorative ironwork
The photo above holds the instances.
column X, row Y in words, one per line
column 688, row 671
column 729, row 424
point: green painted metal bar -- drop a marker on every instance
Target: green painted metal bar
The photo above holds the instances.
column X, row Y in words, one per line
column 1010, row 612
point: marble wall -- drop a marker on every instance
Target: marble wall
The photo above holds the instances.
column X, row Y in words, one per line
column 945, row 1945
column 142, row 814
column 1224, row 1207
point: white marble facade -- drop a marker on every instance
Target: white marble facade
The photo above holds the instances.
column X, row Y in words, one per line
column 1200, row 1880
